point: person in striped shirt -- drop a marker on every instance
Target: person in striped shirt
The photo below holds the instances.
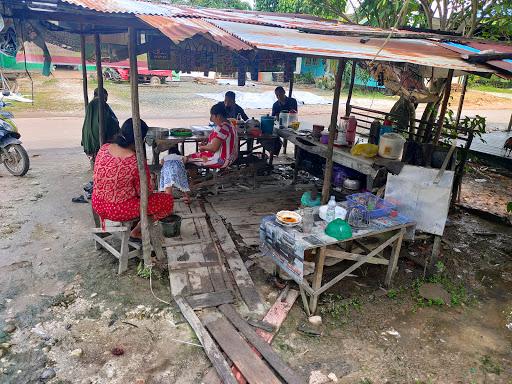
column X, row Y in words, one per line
column 221, row 149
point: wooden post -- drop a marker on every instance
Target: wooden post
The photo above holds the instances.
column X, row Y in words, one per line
column 461, row 101
column 332, row 131
column 510, row 124
column 348, row 108
column 444, row 106
column 101, row 98
column 84, row 69
column 292, row 79
column 139, row 146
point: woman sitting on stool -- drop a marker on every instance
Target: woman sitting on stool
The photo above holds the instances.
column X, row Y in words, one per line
column 116, row 193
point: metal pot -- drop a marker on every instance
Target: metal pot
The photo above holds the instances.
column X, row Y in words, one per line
column 352, row 184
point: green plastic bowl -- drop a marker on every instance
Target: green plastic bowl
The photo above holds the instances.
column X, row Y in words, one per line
column 339, row 229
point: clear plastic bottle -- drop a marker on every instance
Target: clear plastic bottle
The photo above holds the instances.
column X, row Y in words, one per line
column 331, row 210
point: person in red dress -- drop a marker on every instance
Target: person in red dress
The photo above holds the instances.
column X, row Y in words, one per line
column 116, row 193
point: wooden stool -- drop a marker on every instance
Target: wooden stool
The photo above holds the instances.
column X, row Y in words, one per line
column 128, row 249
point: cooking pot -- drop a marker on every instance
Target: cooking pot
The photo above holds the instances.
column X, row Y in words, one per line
column 391, row 146
column 252, row 123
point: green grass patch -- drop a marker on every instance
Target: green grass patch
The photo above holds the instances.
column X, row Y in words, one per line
column 338, row 308
column 488, row 365
column 456, row 289
column 489, row 88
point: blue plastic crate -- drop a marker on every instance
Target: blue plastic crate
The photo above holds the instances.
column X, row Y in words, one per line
column 382, row 207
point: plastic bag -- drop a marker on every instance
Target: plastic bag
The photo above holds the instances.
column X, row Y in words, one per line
column 366, row 150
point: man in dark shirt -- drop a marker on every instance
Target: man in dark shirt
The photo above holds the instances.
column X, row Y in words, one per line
column 232, row 108
column 283, row 103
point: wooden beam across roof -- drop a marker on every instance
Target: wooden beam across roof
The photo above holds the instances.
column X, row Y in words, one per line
column 485, row 57
column 122, row 22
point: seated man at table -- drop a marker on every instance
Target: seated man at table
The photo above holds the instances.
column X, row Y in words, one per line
column 283, row 103
column 232, row 108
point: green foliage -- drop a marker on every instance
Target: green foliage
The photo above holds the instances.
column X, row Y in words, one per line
column 392, row 294
column 494, row 81
column 489, row 366
column 475, row 124
column 267, row 5
column 338, row 308
column 222, row 4
column 496, row 23
column 489, row 19
column 457, row 291
column 142, row 271
column 509, row 206
column 305, row 78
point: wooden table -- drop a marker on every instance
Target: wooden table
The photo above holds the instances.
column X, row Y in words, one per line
column 286, row 247
column 163, row 144
column 341, row 156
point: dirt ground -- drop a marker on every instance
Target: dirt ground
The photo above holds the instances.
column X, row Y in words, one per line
column 64, row 310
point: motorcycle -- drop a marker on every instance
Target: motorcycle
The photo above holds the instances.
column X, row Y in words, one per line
column 12, row 154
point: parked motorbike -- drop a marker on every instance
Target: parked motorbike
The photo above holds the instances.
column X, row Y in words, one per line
column 12, row 154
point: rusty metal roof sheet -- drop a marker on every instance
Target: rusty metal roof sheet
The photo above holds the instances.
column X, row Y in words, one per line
column 293, row 21
column 180, row 28
column 476, row 47
column 134, row 7
column 422, row 52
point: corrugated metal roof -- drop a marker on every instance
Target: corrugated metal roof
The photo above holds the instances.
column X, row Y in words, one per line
column 422, row 52
column 180, row 28
column 134, row 7
column 293, row 21
column 476, row 47
column 302, row 35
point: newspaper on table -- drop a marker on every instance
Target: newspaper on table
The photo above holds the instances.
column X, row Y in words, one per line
column 286, row 245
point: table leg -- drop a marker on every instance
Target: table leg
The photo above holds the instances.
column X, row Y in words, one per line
column 296, row 168
column 395, row 254
column 285, row 145
column 183, row 148
column 156, row 155
column 304, row 301
column 317, row 278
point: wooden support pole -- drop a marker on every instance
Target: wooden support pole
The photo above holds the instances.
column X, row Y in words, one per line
column 292, row 80
column 510, row 124
column 444, row 106
column 348, row 107
column 332, row 131
column 139, row 146
column 461, row 100
column 84, row 69
column 101, row 98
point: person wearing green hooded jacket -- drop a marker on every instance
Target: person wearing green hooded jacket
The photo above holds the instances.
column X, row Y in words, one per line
column 91, row 127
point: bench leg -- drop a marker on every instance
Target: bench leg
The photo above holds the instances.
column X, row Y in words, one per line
column 123, row 253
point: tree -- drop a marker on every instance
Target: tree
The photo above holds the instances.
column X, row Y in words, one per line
column 267, row 5
column 222, row 4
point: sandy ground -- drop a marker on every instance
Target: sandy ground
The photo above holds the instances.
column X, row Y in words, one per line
column 70, row 308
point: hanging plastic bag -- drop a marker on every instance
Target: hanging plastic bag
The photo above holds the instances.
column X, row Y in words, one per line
column 365, row 149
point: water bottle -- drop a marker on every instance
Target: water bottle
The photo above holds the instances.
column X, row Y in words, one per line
column 331, row 210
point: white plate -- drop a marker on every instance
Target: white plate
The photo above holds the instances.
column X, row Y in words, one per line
column 295, row 215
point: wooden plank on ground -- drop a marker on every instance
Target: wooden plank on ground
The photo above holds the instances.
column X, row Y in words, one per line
column 257, row 342
column 242, row 278
column 210, row 348
column 209, row 249
column 275, row 317
column 239, row 351
column 212, row 299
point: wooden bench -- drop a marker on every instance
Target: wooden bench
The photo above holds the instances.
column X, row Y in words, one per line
column 117, row 230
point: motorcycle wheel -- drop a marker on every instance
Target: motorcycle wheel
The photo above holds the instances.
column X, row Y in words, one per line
column 16, row 160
